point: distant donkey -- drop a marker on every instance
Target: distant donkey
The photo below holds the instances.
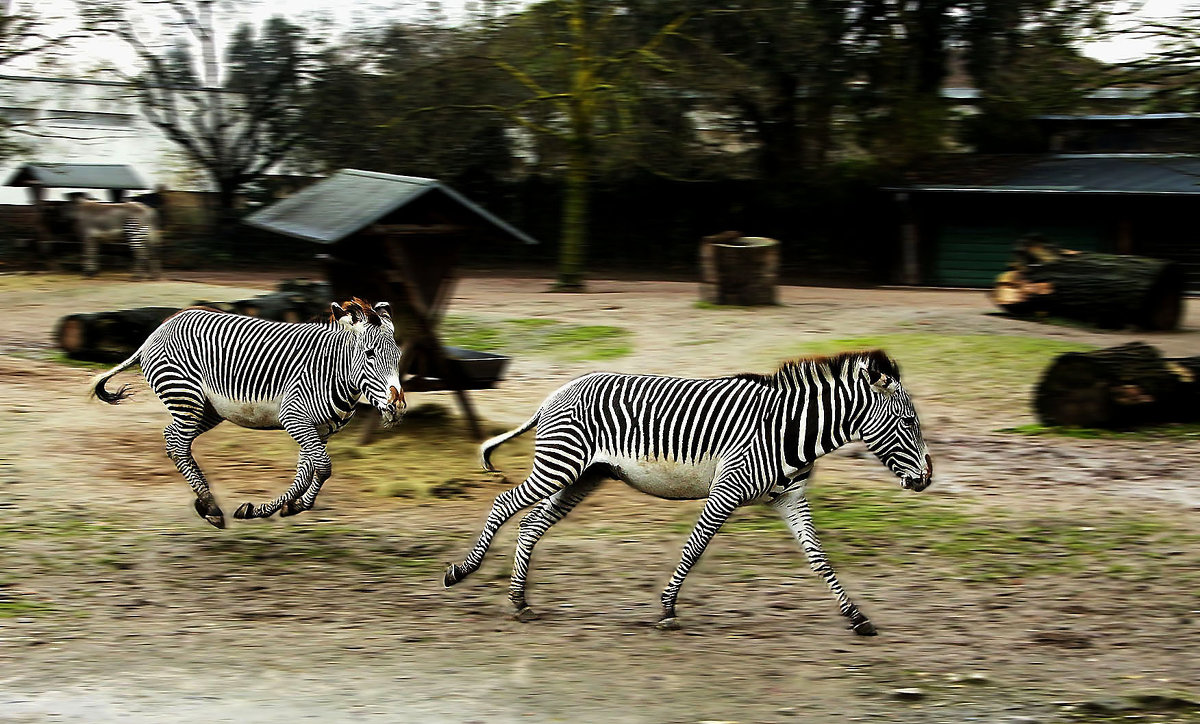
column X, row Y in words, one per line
column 94, row 221
column 208, row 366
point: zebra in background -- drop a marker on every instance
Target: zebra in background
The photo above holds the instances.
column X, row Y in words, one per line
column 94, row 220
column 208, row 366
column 729, row 440
column 145, row 245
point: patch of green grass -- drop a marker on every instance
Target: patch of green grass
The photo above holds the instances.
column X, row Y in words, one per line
column 576, row 343
column 14, row 608
column 860, row 524
column 63, row 359
column 968, row 369
column 1173, row 431
column 14, row 604
column 701, row 304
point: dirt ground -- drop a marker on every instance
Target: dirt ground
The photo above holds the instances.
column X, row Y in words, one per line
column 1040, row 579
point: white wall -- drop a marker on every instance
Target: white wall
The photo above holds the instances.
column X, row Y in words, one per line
column 79, row 121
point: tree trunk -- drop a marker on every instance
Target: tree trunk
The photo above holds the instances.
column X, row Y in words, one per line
column 1119, row 387
column 740, row 270
column 574, row 232
column 1107, row 290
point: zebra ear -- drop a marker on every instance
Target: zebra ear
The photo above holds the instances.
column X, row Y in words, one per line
column 879, row 381
column 384, row 310
column 339, row 315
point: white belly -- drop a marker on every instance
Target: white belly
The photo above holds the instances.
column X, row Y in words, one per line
column 665, row 478
column 258, row 414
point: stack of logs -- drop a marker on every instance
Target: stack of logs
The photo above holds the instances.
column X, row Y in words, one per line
column 1119, row 387
column 1106, row 290
column 113, row 336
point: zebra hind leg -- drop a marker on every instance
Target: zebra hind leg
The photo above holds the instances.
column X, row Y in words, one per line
column 507, row 504
column 179, row 437
column 794, row 508
column 717, row 510
column 533, row 526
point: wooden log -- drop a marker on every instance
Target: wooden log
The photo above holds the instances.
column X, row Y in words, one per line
column 108, row 336
column 295, row 301
column 113, row 336
column 1106, row 290
column 738, row 270
column 1119, row 387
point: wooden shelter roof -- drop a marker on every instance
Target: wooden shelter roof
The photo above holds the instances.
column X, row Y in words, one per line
column 351, row 200
column 77, row 176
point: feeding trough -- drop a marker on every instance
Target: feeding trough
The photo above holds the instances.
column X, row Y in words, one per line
column 397, row 239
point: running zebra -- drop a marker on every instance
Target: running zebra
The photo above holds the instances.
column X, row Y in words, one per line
column 208, row 366
column 729, row 440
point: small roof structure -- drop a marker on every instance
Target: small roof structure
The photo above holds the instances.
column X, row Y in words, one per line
column 77, row 176
column 351, row 200
column 397, row 239
column 1111, row 173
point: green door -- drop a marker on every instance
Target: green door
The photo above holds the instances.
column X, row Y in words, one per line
column 972, row 256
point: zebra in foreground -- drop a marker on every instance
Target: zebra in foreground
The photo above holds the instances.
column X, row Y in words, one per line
column 208, row 366
column 730, row 440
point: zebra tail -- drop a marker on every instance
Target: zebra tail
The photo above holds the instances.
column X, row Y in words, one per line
column 485, row 450
column 96, row 387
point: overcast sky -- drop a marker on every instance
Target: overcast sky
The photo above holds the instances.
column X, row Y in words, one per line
column 349, row 13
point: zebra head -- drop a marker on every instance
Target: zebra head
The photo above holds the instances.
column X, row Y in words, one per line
column 375, row 360
column 890, row 427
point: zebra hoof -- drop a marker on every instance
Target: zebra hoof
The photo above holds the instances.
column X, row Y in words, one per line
column 217, row 521
column 244, row 511
column 452, row 576
column 525, row 615
column 668, row 624
column 864, row 628
column 291, row 508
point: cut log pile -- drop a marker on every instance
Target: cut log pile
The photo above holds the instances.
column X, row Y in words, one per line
column 1119, row 387
column 113, row 336
column 1106, row 290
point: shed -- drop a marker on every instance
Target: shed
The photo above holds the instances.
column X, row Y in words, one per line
column 960, row 217
column 397, row 239
column 115, row 178
column 49, row 225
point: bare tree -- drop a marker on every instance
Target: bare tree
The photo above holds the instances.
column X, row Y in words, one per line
column 232, row 107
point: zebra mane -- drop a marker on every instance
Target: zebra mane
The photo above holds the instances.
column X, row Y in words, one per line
column 837, row 364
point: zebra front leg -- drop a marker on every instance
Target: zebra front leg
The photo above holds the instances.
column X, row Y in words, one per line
column 533, row 526
column 506, row 505
column 308, row 497
column 179, row 437
column 312, row 462
column 717, row 510
column 794, row 508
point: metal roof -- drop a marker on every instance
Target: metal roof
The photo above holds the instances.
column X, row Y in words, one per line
column 350, row 200
column 1158, row 174
column 1118, row 117
column 78, row 176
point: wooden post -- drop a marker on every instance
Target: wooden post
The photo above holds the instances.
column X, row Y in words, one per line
column 910, row 247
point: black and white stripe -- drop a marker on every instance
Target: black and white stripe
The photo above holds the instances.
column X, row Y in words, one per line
column 208, row 366
column 145, row 246
column 729, row 440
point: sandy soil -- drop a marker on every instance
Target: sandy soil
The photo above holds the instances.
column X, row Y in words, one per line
column 118, row 604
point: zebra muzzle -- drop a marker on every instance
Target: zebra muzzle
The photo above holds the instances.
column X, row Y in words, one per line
column 395, row 405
